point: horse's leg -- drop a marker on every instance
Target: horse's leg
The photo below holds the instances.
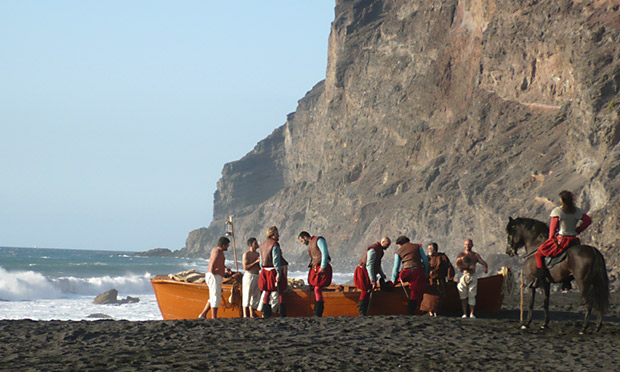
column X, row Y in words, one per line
column 586, row 319
column 546, row 291
column 599, row 324
column 530, row 310
column 580, row 273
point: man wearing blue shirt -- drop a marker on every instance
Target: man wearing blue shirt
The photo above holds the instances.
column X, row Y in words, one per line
column 411, row 266
column 273, row 273
column 320, row 274
column 365, row 276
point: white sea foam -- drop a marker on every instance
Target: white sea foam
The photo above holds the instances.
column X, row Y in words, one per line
column 25, row 285
column 31, row 285
column 80, row 308
column 337, row 278
column 96, row 285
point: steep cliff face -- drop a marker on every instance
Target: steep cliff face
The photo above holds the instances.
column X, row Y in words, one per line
column 438, row 120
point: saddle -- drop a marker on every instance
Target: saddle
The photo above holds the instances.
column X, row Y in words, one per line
column 552, row 261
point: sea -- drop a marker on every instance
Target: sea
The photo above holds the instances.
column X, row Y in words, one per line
column 61, row 284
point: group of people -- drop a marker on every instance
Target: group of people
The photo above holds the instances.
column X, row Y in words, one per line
column 265, row 274
column 424, row 272
column 266, row 269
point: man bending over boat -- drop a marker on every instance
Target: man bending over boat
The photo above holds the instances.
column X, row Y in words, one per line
column 273, row 273
column 250, row 292
column 414, row 264
column 466, row 261
column 365, row 276
column 214, row 277
column 320, row 274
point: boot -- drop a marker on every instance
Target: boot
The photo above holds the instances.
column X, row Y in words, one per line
column 266, row 311
column 412, row 306
column 363, row 307
column 282, row 310
column 318, row 308
column 542, row 277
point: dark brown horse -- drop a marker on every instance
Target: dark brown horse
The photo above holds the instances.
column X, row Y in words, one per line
column 583, row 262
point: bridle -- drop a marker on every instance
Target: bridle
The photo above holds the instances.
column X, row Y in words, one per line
column 513, row 247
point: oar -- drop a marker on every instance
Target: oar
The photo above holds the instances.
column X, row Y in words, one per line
column 403, row 287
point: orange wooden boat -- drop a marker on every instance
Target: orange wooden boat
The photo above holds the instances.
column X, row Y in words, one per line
column 181, row 300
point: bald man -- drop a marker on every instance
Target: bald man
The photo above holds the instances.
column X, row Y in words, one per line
column 468, row 284
column 365, row 276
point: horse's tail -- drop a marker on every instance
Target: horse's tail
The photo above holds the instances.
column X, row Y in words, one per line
column 596, row 291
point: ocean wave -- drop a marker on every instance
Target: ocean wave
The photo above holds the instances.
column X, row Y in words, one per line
column 132, row 283
column 31, row 285
column 337, row 278
column 26, row 285
column 202, row 265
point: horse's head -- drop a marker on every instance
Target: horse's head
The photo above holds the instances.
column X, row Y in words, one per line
column 514, row 238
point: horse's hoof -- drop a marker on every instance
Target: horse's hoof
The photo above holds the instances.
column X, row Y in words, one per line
column 582, row 332
column 523, row 327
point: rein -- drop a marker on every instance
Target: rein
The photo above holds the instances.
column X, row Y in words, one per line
column 529, row 254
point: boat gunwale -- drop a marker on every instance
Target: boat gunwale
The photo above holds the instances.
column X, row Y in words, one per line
column 332, row 288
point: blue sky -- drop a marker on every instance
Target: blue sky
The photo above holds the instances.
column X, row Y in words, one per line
column 116, row 117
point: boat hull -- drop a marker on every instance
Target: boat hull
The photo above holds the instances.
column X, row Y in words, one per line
column 180, row 300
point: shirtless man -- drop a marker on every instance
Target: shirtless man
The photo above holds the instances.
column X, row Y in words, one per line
column 214, row 277
column 251, row 265
column 468, row 284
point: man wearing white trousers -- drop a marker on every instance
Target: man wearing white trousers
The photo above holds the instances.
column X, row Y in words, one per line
column 468, row 284
column 250, row 291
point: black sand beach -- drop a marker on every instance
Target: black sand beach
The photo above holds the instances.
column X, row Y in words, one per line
column 384, row 343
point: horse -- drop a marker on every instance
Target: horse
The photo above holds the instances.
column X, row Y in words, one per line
column 584, row 263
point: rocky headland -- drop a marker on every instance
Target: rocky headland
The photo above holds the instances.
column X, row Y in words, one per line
column 439, row 120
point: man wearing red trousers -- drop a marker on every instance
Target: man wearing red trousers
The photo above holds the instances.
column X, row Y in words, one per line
column 273, row 272
column 365, row 276
column 409, row 257
column 320, row 274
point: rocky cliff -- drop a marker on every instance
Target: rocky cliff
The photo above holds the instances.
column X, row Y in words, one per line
column 438, row 120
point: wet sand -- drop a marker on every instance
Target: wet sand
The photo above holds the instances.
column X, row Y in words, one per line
column 381, row 343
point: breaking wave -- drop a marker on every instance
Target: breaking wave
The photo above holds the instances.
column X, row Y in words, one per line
column 31, row 285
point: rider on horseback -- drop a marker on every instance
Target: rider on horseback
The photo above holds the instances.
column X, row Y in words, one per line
column 565, row 218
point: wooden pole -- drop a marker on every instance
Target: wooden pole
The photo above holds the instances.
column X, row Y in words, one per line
column 403, row 287
column 521, row 307
column 232, row 234
column 372, row 291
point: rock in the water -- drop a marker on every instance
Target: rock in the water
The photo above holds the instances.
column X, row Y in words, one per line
column 111, row 297
column 157, row 252
column 108, row 297
column 129, row 300
column 99, row 316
